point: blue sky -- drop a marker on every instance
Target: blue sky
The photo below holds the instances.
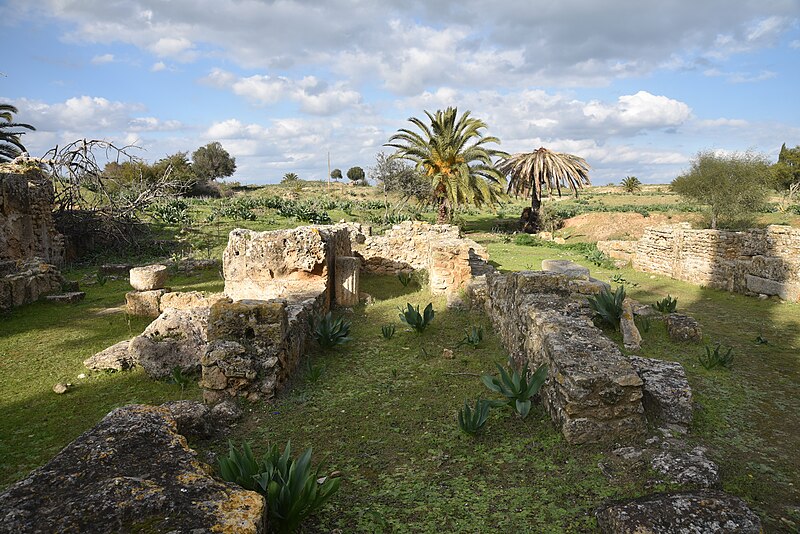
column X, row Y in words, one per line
column 636, row 88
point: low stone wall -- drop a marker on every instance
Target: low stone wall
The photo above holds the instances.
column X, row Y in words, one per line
column 449, row 258
column 26, row 282
column 27, row 230
column 758, row 261
column 593, row 393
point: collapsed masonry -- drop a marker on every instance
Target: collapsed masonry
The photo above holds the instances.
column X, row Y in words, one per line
column 758, row 261
column 247, row 341
column 30, row 246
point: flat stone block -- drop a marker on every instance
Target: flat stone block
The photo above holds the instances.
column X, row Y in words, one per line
column 667, row 395
column 149, row 277
column 144, row 303
column 66, row 298
column 566, row 267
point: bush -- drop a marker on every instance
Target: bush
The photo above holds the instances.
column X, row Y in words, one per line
column 608, row 305
column 293, row 488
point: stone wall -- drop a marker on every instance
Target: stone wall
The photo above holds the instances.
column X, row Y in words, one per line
column 757, row 261
column 449, row 258
column 26, row 223
column 593, row 392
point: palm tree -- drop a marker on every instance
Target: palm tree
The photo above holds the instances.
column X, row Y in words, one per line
column 10, row 145
column 529, row 172
column 631, row 184
column 451, row 153
column 290, row 178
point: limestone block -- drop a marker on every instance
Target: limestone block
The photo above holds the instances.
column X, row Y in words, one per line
column 566, row 267
column 149, row 277
column 144, row 303
column 701, row 511
column 346, row 285
column 114, row 358
column 115, row 269
column 131, row 472
column 186, row 300
column 785, row 290
column 683, row 328
column 66, row 298
column 631, row 337
column 667, row 395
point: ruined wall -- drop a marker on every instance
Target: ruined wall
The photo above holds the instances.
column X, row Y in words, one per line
column 757, row 261
column 593, row 392
column 26, row 223
column 449, row 258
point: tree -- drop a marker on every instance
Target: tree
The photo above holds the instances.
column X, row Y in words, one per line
column 731, row 185
column 631, row 184
column 10, row 144
column 355, row 174
column 336, row 174
column 530, row 172
column 452, row 155
column 787, row 169
column 179, row 169
column 398, row 177
column 211, row 162
column 290, row 178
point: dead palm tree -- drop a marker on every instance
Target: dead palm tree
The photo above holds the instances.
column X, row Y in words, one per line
column 10, row 144
column 530, row 172
column 451, row 153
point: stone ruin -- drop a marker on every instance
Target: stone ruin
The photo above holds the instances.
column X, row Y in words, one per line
column 31, row 249
column 761, row 261
column 249, row 340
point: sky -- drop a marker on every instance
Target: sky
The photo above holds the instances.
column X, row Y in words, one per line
column 636, row 88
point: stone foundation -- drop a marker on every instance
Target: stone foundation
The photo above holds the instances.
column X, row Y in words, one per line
column 27, row 282
column 758, row 261
column 593, row 392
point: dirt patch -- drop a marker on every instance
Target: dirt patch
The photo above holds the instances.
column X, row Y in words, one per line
column 591, row 227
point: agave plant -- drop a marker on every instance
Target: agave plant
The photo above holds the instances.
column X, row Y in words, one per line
column 608, row 305
column 472, row 419
column 517, row 387
column 414, row 319
column 405, row 278
column 329, row 332
column 473, row 337
column 387, row 331
column 293, row 488
column 666, row 305
column 714, row 358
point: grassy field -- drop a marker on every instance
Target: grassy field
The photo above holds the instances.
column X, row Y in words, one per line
column 384, row 411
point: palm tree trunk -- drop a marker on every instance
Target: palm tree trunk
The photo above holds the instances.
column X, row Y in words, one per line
column 443, row 215
column 530, row 216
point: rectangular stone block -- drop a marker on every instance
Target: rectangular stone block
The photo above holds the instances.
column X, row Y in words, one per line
column 144, row 303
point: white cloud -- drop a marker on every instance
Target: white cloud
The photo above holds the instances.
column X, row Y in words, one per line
column 102, row 59
column 640, row 111
column 179, row 48
column 158, row 66
column 795, row 44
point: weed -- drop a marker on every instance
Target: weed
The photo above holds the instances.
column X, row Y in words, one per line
column 472, row 337
column 405, row 278
column 761, row 340
column 387, row 331
column 621, row 280
column 516, row 388
column 293, row 488
column 313, row 372
column 643, row 323
column 471, row 420
column 330, row 332
column 101, row 278
column 412, row 317
column 182, row 380
column 666, row 305
column 714, row 358
column 608, row 305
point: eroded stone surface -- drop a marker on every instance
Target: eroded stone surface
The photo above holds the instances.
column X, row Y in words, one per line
column 132, row 472
column 192, row 418
column 690, row 468
column 667, row 394
column 566, row 267
column 683, row 328
column 114, row 358
column 144, row 303
column 177, row 338
column 149, row 277
column 698, row 512
column 631, row 338
column 27, row 282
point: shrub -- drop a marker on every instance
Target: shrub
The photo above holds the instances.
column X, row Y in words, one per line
column 516, row 388
column 608, row 305
column 387, row 331
column 293, row 488
column 412, row 317
column 173, row 212
column 666, row 305
column 714, row 358
column 329, row 332
column 471, row 420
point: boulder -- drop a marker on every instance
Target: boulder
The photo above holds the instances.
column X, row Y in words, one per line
column 683, row 328
column 192, row 418
column 131, row 473
column 225, row 414
column 566, row 267
column 665, row 513
column 185, row 300
column 114, row 358
column 149, row 277
column 688, row 468
column 667, row 396
column 144, row 303
column 177, row 338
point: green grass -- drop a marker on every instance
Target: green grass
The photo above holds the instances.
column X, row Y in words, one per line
column 42, row 344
